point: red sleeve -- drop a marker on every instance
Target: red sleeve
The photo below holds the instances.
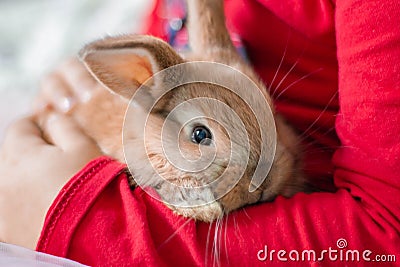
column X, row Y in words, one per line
column 97, row 220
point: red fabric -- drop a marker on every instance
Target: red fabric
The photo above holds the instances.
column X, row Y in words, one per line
column 350, row 45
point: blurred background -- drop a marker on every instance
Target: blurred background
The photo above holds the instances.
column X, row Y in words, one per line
column 36, row 36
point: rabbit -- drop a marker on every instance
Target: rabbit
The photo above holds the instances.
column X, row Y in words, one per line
column 123, row 64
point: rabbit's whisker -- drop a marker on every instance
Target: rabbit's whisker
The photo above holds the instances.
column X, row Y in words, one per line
column 226, row 238
column 275, row 91
column 188, row 220
column 280, row 63
column 208, row 244
column 284, row 78
column 306, row 132
column 297, row 81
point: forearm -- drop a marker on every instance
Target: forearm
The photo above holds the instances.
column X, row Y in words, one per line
column 369, row 119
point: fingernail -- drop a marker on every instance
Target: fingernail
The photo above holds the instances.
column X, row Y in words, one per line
column 52, row 117
column 66, row 104
column 85, row 96
column 40, row 106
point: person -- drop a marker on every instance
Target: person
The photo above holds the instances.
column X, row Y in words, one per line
column 33, row 170
column 318, row 47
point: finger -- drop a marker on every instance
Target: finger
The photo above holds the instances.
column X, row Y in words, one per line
column 80, row 81
column 22, row 135
column 57, row 93
column 39, row 104
column 66, row 133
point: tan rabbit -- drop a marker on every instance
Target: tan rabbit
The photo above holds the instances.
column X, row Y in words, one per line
column 122, row 64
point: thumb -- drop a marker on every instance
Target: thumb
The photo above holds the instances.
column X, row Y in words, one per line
column 65, row 133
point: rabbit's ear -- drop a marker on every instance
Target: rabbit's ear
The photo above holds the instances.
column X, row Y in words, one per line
column 124, row 63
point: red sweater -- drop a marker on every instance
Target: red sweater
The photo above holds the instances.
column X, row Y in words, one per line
column 350, row 47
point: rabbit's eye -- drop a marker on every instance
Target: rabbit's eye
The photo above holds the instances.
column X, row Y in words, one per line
column 201, row 135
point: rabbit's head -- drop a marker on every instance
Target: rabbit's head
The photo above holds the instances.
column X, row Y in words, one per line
column 192, row 139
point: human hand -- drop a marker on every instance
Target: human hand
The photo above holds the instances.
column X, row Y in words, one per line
column 33, row 171
column 67, row 86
